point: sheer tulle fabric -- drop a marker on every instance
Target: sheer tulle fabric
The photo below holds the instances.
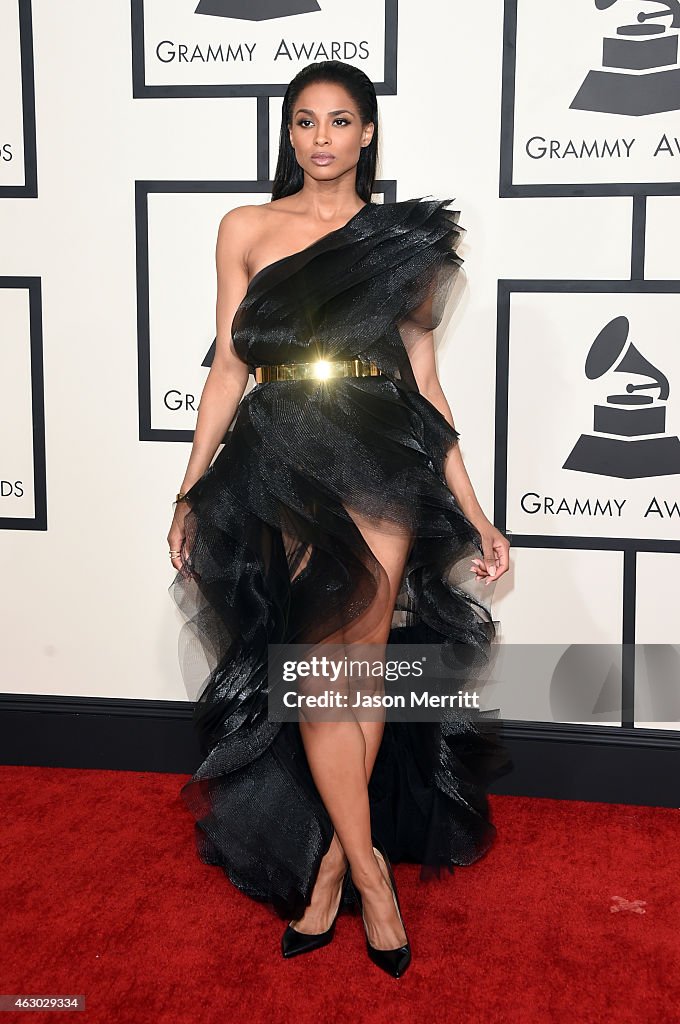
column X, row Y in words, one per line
column 273, row 555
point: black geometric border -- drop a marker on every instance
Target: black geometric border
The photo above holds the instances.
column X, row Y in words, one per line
column 143, row 189
column 628, row 546
column 506, row 288
column 506, row 186
column 140, row 89
column 39, row 520
column 29, row 190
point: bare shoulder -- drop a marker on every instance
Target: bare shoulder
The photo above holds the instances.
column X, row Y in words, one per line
column 249, row 220
column 237, row 230
column 242, row 229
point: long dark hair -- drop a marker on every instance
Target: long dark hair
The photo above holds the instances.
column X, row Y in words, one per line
column 289, row 177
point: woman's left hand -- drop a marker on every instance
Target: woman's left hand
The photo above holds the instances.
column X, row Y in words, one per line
column 495, row 551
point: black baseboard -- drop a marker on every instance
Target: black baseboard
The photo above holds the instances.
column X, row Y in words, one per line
column 566, row 762
column 592, row 762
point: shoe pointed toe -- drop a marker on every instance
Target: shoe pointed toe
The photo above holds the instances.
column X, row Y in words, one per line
column 293, row 943
column 393, row 961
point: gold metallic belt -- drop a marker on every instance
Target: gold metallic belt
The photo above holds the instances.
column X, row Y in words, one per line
column 319, row 369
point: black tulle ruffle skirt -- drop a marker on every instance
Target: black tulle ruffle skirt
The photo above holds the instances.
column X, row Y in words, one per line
column 273, row 555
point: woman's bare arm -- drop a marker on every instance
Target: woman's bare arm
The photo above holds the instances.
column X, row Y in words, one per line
column 495, row 545
column 228, row 375
column 424, row 366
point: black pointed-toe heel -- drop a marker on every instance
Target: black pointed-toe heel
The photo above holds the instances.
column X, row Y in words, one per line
column 393, row 961
column 293, row 943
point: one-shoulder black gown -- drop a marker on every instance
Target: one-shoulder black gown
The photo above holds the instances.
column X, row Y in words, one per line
column 299, row 454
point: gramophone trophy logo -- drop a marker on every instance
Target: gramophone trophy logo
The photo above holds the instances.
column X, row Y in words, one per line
column 572, row 128
column 640, row 72
column 256, row 10
column 628, row 439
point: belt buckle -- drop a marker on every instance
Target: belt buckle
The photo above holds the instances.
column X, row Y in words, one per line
column 324, row 369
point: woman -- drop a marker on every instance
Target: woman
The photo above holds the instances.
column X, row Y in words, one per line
column 336, row 511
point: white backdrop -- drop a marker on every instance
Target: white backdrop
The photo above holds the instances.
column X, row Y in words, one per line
column 86, row 609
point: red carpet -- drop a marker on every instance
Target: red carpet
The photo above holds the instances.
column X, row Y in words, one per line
column 572, row 917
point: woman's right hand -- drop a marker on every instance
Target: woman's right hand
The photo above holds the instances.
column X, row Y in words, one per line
column 177, row 534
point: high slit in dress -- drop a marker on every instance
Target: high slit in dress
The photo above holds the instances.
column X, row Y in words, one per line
column 273, row 555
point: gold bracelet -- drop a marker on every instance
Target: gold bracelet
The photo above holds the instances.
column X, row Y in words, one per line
column 181, row 496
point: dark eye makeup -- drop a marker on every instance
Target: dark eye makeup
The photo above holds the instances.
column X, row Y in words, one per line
column 303, row 120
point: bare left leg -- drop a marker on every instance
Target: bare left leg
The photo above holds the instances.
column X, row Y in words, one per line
column 341, row 757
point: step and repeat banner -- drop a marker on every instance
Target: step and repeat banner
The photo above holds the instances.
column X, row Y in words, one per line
column 127, row 130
